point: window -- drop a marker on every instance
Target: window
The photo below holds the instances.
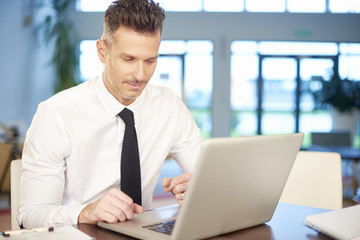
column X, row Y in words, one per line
column 297, row 48
column 304, row 6
column 197, row 77
column 349, row 61
column 265, row 5
column 224, row 5
column 287, row 73
column 315, row 6
column 168, row 5
column 181, row 5
column 311, row 70
column 92, row 6
column 244, row 75
column 90, row 65
column 344, row 6
column 278, row 76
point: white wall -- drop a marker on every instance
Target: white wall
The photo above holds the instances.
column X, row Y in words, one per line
column 26, row 79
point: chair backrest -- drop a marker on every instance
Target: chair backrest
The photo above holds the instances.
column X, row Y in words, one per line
column 15, row 175
column 340, row 138
column 315, row 180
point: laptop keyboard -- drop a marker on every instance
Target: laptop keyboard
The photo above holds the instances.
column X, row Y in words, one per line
column 163, row 227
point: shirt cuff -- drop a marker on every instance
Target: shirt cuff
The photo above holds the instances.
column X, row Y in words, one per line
column 71, row 214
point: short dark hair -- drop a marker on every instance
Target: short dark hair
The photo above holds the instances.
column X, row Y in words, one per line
column 143, row 16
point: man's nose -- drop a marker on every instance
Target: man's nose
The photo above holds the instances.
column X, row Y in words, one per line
column 139, row 72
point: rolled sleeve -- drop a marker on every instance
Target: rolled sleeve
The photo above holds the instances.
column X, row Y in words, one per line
column 188, row 140
column 43, row 175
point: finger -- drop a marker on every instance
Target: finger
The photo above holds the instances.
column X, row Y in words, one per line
column 168, row 188
column 127, row 211
column 166, row 182
column 180, row 202
column 185, row 177
column 180, row 196
column 182, row 178
column 107, row 217
column 180, row 188
column 121, row 217
column 179, row 184
column 116, row 212
column 112, row 204
column 120, row 195
column 138, row 209
column 101, row 210
column 124, row 203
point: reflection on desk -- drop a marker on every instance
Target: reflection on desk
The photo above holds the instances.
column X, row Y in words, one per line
column 287, row 223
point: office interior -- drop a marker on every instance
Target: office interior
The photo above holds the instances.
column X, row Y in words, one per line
column 222, row 96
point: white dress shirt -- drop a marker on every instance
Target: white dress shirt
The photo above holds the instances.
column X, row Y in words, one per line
column 73, row 147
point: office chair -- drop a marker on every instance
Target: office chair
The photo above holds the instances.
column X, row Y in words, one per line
column 315, row 180
column 15, row 174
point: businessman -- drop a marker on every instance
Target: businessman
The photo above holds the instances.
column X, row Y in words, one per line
column 74, row 153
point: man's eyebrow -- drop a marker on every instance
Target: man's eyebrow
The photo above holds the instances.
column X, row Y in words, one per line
column 124, row 54
column 127, row 55
column 155, row 57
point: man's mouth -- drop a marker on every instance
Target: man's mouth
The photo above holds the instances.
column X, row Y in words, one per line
column 135, row 85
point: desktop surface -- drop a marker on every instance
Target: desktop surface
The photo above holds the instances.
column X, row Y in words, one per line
column 287, row 223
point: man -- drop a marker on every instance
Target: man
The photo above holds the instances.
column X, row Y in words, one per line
column 72, row 153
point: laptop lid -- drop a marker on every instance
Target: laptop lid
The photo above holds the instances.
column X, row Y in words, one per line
column 339, row 224
column 236, row 184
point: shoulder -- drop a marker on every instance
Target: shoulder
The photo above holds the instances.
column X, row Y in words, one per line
column 74, row 95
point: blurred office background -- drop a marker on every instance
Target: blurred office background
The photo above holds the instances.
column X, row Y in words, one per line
column 243, row 67
column 214, row 54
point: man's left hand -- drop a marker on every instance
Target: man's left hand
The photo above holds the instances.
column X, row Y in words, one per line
column 177, row 185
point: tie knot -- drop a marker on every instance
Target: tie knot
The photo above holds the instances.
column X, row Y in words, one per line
column 127, row 116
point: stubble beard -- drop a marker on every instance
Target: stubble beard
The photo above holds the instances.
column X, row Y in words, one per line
column 122, row 94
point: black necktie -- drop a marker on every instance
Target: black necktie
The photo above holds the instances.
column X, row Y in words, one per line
column 130, row 161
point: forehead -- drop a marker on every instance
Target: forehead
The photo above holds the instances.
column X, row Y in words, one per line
column 128, row 41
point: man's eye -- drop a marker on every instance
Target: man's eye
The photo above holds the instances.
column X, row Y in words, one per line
column 151, row 60
column 128, row 59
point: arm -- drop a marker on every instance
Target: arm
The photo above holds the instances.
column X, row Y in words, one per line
column 43, row 176
column 185, row 151
column 188, row 139
column 44, row 201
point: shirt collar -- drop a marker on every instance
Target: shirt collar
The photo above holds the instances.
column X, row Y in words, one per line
column 110, row 103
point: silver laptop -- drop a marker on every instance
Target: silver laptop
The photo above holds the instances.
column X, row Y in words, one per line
column 236, row 184
column 339, row 224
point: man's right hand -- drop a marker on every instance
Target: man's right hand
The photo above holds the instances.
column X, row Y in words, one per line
column 113, row 207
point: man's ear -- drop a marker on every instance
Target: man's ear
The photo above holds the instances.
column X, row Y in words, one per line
column 102, row 50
